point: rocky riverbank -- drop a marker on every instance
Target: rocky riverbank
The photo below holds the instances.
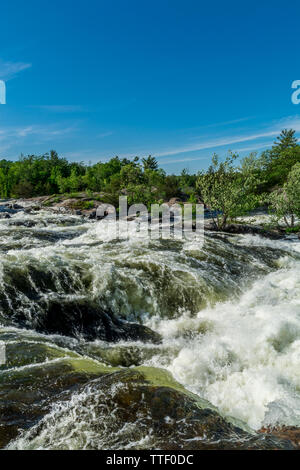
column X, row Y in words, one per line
column 86, row 206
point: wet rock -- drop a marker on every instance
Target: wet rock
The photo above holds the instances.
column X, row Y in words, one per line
column 27, row 394
column 178, row 419
column 142, row 408
column 92, row 215
column 81, row 318
column 23, row 223
column 34, row 376
column 251, row 229
column 4, row 215
column 7, row 210
column 290, row 433
column 115, row 355
column 16, row 206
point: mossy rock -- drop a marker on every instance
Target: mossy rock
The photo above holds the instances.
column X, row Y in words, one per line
column 19, row 354
column 140, row 408
column 28, row 392
column 120, row 355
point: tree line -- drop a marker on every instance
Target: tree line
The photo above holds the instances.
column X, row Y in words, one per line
column 49, row 174
column 230, row 187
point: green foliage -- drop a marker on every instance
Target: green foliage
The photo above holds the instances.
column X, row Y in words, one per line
column 286, row 140
column 277, row 162
column 227, row 188
column 228, row 192
column 131, row 174
column 294, row 229
column 150, row 163
column 285, row 201
column 84, row 205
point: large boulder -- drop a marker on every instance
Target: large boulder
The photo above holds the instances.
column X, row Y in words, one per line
column 32, row 380
column 141, row 408
column 82, row 318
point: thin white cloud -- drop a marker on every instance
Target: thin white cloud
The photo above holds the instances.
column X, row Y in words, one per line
column 9, row 70
column 222, row 124
column 61, row 108
column 293, row 123
column 253, row 148
column 104, row 134
column 180, row 160
column 35, row 134
column 42, row 131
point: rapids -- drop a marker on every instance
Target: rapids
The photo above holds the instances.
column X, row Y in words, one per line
column 226, row 318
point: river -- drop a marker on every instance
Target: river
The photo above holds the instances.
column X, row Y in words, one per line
column 222, row 320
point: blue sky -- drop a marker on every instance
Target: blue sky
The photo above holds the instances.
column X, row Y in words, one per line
column 175, row 79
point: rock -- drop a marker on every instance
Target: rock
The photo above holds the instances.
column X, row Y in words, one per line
column 82, row 318
column 174, row 200
column 124, row 355
column 16, row 206
column 7, row 210
column 103, row 210
column 23, row 223
column 92, row 215
column 290, row 433
column 26, row 394
column 4, row 215
column 142, row 408
column 252, row 229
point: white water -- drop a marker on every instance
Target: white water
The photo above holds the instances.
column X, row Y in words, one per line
column 241, row 351
column 244, row 355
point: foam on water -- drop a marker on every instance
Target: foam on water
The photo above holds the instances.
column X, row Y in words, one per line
column 86, row 421
column 244, row 355
column 228, row 313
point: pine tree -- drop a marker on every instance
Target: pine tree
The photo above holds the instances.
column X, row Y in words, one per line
column 150, row 163
column 285, row 140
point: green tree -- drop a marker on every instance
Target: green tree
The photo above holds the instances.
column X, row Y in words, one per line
column 285, row 140
column 228, row 192
column 285, row 201
column 277, row 162
column 150, row 163
column 131, row 174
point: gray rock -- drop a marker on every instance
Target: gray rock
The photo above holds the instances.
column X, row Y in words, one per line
column 93, row 215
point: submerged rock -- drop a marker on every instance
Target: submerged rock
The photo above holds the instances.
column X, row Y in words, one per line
column 33, row 379
column 24, row 223
column 84, row 319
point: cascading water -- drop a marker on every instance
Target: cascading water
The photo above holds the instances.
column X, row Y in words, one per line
column 223, row 320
